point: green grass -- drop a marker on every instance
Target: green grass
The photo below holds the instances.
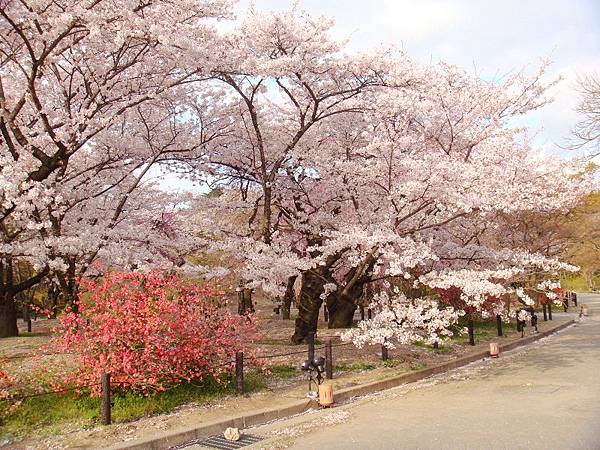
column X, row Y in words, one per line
column 23, row 334
column 50, row 413
column 483, row 330
column 417, row 365
column 354, row 366
column 391, row 363
column 285, row 371
column 270, row 341
column 441, row 349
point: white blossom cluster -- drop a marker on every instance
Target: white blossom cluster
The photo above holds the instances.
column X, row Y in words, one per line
column 522, row 295
column 401, row 320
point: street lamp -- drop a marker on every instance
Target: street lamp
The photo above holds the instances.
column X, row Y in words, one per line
column 314, row 370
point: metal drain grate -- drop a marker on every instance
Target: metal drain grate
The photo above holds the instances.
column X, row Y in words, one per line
column 221, row 443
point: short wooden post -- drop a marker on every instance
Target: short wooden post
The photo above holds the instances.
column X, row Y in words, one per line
column 105, row 399
column 384, row 352
column 549, row 311
column 471, row 332
column 27, row 318
column 545, row 313
column 499, row 324
column 329, row 360
column 239, row 372
column 311, row 345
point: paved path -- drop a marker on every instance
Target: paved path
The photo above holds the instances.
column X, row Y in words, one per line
column 545, row 396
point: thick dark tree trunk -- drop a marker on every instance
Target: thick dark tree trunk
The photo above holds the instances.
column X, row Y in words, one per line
column 245, row 304
column 342, row 303
column 342, row 308
column 309, row 303
column 8, row 315
column 288, row 298
column 10, row 287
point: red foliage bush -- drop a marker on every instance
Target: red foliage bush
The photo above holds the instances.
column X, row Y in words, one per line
column 149, row 331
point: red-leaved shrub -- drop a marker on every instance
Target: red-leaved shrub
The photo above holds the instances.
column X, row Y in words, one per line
column 150, row 331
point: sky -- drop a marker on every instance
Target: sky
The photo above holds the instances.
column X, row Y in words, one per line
column 489, row 37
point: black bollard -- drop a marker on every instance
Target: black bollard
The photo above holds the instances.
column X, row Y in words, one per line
column 328, row 360
column 239, row 372
column 545, row 314
column 471, row 332
column 311, row 345
column 105, row 401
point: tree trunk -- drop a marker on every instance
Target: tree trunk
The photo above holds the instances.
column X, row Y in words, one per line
column 245, row 304
column 342, row 303
column 69, row 287
column 309, row 303
column 8, row 315
column 342, row 307
column 53, row 294
column 287, row 298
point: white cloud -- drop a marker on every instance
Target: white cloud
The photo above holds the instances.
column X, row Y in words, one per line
column 418, row 19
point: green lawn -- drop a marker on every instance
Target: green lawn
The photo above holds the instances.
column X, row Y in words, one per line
column 483, row 330
column 51, row 412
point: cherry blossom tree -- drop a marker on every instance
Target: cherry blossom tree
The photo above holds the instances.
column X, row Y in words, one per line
column 73, row 76
column 399, row 184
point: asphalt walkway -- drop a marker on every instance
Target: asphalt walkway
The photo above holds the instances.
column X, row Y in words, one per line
column 544, row 396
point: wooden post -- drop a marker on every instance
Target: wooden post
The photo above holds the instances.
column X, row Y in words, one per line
column 499, row 324
column 105, row 400
column 239, row 372
column 384, row 353
column 325, row 313
column 545, row 313
column 362, row 312
column 329, row 360
column 369, row 313
column 311, row 345
column 549, row 311
column 27, row 317
column 471, row 332
column 574, row 298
